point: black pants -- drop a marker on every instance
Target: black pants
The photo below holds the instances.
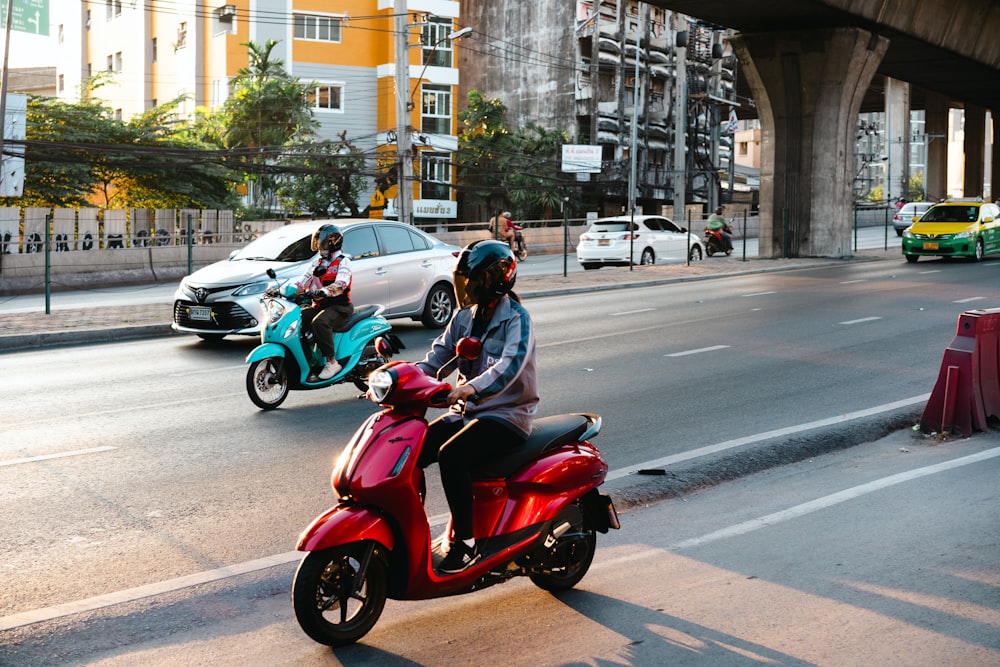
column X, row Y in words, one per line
column 460, row 450
column 324, row 322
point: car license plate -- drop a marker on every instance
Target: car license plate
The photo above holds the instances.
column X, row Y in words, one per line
column 603, row 242
column 201, row 313
column 930, row 246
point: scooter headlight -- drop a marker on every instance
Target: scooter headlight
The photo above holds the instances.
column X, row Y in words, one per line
column 380, row 384
column 274, row 310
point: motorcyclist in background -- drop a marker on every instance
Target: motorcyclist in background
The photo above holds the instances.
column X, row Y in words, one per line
column 716, row 222
column 329, row 278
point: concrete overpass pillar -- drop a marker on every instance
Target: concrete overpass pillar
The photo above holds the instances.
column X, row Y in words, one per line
column 994, row 175
column 897, row 129
column 936, row 131
column 808, row 86
column 975, row 151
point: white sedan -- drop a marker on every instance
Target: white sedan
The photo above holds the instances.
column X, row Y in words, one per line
column 395, row 265
column 648, row 239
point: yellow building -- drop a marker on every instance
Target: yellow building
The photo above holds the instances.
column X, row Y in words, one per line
column 159, row 50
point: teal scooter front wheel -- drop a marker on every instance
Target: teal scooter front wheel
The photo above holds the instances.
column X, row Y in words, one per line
column 267, row 382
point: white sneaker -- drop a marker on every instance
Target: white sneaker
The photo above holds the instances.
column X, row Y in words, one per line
column 331, row 369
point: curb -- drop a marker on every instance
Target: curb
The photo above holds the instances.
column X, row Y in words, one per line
column 20, row 342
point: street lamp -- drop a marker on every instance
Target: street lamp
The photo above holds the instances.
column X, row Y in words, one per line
column 404, row 191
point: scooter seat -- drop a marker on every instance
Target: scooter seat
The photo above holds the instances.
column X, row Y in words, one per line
column 546, row 433
column 360, row 313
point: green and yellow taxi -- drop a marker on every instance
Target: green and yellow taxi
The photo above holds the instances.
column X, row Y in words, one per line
column 954, row 228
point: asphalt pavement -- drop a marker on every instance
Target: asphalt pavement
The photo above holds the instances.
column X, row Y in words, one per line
column 32, row 330
column 67, row 325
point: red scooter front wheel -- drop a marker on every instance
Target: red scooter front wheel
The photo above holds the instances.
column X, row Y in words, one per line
column 338, row 593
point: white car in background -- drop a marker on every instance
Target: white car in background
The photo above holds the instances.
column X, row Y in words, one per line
column 653, row 239
column 407, row 271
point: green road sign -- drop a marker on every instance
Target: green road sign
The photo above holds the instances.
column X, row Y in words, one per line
column 30, row 16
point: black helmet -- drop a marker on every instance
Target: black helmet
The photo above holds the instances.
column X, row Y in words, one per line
column 327, row 237
column 486, row 270
column 718, row 210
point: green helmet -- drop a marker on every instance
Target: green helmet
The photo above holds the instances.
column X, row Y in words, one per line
column 486, row 270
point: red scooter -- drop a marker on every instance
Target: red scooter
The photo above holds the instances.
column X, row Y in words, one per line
column 537, row 512
column 714, row 241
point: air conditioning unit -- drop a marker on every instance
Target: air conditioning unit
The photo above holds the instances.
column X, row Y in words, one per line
column 226, row 13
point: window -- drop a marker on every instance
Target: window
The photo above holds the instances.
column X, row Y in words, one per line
column 396, row 240
column 435, row 170
column 319, row 28
column 111, row 64
column 182, row 31
column 118, row 114
column 360, row 242
column 435, row 109
column 436, row 33
column 62, row 83
column 327, row 98
column 153, row 51
column 118, row 61
column 62, row 32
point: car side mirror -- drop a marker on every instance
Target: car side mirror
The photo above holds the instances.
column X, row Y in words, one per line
column 988, row 219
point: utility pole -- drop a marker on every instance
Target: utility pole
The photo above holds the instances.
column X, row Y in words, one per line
column 680, row 122
column 404, row 141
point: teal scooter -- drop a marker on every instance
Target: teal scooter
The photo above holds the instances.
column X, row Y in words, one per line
column 289, row 358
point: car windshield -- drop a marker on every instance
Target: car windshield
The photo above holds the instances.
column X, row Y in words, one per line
column 609, row 226
column 964, row 214
column 278, row 247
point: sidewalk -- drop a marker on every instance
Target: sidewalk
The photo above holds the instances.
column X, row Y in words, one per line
column 21, row 331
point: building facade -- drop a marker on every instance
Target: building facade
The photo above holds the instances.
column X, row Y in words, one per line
column 588, row 68
column 157, row 51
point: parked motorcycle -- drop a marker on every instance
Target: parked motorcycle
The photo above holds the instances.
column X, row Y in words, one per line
column 289, row 358
column 714, row 241
column 537, row 512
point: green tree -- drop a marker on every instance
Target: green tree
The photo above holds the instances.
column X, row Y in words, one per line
column 322, row 178
column 499, row 167
column 78, row 154
column 267, row 109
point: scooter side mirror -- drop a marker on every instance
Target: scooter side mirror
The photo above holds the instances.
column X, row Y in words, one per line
column 469, row 348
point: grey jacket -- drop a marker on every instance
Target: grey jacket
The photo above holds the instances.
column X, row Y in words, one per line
column 503, row 376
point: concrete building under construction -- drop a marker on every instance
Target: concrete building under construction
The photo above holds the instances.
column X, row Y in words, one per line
column 591, row 69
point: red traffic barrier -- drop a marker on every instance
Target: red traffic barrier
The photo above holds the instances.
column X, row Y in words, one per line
column 967, row 392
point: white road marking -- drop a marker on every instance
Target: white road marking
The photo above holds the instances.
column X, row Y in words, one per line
column 131, row 594
column 171, row 585
column 759, row 293
column 750, row 439
column 834, row 499
column 207, row 370
column 931, row 271
column 698, row 351
column 970, row 299
column 863, row 319
column 46, row 457
column 851, row 282
column 632, row 312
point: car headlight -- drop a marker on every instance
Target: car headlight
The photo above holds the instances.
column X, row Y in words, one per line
column 251, row 289
column 380, row 384
column 907, row 234
column 963, row 235
column 274, row 310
